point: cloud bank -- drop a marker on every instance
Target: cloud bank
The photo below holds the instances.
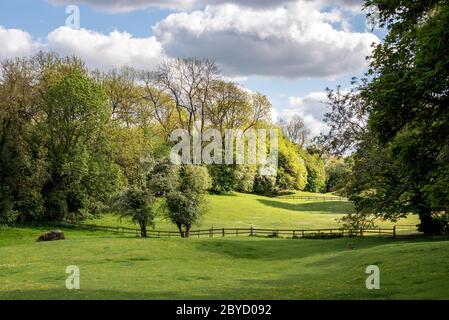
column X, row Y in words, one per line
column 121, row 6
column 289, row 38
column 293, row 41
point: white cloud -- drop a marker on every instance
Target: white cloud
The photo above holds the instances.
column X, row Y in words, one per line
column 120, row 6
column 16, row 43
column 98, row 50
column 312, row 108
column 292, row 39
column 295, row 40
column 102, row 51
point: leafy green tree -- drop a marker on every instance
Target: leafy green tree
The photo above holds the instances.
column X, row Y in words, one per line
column 265, row 185
column 403, row 164
column 292, row 171
column 346, row 119
column 22, row 157
column 245, row 175
column 194, row 179
column 184, row 209
column 338, row 171
column 223, row 177
column 185, row 206
column 76, row 115
column 163, row 178
column 139, row 205
column 232, row 177
column 316, row 174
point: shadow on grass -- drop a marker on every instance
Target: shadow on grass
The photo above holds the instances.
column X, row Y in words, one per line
column 284, row 249
column 87, row 294
column 249, row 288
column 324, row 207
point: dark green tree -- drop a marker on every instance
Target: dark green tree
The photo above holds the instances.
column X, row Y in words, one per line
column 403, row 165
column 139, row 205
column 186, row 204
column 80, row 171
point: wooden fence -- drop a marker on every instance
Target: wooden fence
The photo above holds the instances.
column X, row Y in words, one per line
column 236, row 232
column 321, row 198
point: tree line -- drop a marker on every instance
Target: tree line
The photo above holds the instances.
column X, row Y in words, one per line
column 76, row 142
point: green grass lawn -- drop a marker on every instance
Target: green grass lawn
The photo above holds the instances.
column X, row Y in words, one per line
column 246, row 210
column 114, row 267
column 126, row 267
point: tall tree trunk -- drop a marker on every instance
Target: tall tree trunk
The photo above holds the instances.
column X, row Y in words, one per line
column 143, row 230
column 181, row 232
column 429, row 225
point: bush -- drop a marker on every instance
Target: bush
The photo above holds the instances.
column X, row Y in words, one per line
column 265, row 185
column 139, row 205
column 321, row 236
column 316, row 175
column 195, row 179
column 184, row 209
column 53, row 235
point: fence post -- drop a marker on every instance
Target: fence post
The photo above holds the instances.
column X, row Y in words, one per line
column 294, row 233
column 302, row 232
column 394, row 231
column 223, row 232
column 251, row 231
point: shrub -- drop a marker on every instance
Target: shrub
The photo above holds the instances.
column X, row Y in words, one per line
column 321, row 236
column 138, row 205
column 53, row 235
column 184, row 209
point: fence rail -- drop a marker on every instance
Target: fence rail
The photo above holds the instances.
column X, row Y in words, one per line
column 223, row 232
column 322, row 198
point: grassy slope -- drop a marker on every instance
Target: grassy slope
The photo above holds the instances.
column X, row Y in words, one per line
column 244, row 210
column 231, row 268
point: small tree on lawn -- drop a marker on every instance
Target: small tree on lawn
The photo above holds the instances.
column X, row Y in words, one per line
column 138, row 205
column 184, row 210
column 356, row 223
column 186, row 204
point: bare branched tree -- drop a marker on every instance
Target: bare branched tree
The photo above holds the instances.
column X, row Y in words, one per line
column 161, row 105
column 124, row 96
column 347, row 121
column 188, row 82
column 295, row 129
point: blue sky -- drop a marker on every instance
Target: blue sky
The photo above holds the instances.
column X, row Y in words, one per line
column 290, row 50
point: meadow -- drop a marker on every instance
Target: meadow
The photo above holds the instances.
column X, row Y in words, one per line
column 240, row 210
column 126, row 267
